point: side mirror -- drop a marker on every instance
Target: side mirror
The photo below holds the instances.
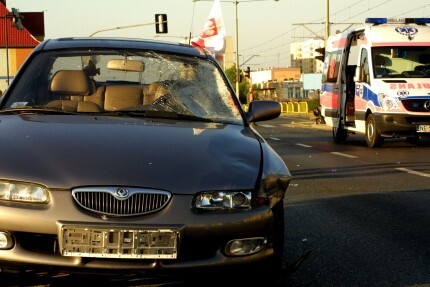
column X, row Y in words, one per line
column 263, row 111
column 358, row 72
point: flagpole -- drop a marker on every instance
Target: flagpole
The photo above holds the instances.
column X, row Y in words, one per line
column 236, row 2
column 237, row 51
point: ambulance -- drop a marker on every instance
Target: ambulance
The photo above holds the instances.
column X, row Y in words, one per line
column 376, row 81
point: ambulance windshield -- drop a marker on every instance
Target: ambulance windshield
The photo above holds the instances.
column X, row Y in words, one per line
column 401, row 62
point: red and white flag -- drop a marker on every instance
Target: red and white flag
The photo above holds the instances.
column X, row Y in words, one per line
column 212, row 36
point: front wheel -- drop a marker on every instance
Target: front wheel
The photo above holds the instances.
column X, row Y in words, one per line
column 373, row 137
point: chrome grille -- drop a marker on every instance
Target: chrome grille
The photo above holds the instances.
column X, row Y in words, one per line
column 121, row 201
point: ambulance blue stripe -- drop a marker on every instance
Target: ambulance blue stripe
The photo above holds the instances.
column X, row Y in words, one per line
column 368, row 95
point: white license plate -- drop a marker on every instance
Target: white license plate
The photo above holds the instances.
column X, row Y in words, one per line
column 119, row 243
column 423, row 128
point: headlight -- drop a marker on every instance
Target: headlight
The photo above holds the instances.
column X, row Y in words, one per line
column 223, row 200
column 23, row 192
column 388, row 103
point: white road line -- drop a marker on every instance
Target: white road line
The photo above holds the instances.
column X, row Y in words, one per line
column 267, row 126
column 275, row 139
column 413, row 171
column 303, row 145
column 344, row 154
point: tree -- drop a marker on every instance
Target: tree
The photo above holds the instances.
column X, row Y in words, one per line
column 243, row 85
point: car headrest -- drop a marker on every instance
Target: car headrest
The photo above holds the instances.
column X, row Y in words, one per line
column 424, row 59
column 379, row 60
column 70, row 82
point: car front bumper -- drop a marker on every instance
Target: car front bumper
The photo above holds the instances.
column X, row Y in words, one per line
column 202, row 237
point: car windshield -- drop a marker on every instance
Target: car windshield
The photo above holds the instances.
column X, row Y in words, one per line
column 401, row 62
column 122, row 82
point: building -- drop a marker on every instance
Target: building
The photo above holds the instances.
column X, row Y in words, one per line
column 303, row 56
column 16, row 45
column 277, row 83
column 229, row 53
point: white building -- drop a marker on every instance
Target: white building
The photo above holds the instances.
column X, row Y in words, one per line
column 303, row 56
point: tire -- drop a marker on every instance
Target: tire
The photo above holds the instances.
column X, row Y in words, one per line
column 373, row 137
column 275, row 271
column 339, row 135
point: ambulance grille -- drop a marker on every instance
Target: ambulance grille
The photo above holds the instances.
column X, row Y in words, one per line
column 417, row 105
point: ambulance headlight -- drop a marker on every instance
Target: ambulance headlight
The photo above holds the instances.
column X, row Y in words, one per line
column 387, row 103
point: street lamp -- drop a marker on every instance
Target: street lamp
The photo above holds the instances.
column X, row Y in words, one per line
column 236, row 2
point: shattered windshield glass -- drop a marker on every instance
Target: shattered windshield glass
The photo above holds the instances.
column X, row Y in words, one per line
column 120, row 82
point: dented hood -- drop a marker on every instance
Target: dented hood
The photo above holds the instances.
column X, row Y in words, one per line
column 62, row 151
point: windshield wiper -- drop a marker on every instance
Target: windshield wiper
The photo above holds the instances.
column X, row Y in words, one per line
column 156, row 114
column 36, row 110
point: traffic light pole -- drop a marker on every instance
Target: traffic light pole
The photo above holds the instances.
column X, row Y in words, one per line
column 160, row 25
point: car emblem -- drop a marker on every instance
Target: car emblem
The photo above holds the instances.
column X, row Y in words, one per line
column 121, row 193
column 427, row 105
column 403, row 93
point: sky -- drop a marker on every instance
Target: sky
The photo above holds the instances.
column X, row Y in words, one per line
column 266, row 27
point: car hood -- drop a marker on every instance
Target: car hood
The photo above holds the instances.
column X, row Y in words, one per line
column 182, row 157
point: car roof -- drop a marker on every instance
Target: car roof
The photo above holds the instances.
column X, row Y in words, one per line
column 126, row 43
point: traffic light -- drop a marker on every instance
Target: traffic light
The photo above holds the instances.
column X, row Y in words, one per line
column 161, row 23
column 321, row 55
column 17, row 19
column 248, row 72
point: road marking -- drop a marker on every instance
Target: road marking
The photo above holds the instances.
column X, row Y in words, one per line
column 413, row 171
column 303, row 145
column 275, row 139
column 267, row 126
column 344, row 154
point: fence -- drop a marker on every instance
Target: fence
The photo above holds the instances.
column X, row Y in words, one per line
column 290, row 107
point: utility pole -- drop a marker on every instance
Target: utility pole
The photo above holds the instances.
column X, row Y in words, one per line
column 327, row 20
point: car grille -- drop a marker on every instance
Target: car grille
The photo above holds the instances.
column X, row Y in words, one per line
column 416, row 105
column 121, row 201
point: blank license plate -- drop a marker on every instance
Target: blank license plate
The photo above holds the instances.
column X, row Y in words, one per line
column 119, row 243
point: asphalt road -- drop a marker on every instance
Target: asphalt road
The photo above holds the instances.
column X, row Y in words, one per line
column 360, row 216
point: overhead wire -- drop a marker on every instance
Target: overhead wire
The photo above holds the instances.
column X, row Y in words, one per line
column 283, row 48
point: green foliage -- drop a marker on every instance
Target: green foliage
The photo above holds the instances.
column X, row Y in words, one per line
column 243, row 91
column 243, row 85
column 231, row 75
column 312, row 104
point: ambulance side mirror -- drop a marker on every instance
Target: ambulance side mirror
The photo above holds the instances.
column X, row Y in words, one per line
column 357, row 74
column 361, row 76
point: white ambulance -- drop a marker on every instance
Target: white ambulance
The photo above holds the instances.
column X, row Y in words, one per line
column 376, row 81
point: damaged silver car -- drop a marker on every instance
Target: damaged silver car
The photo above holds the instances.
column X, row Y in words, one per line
column 121, row 155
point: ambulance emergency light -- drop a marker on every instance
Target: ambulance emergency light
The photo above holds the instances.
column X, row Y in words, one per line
column 378, row 21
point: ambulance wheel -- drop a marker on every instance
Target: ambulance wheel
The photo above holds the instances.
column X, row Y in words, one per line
column 373, row 138
column 339, row 135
